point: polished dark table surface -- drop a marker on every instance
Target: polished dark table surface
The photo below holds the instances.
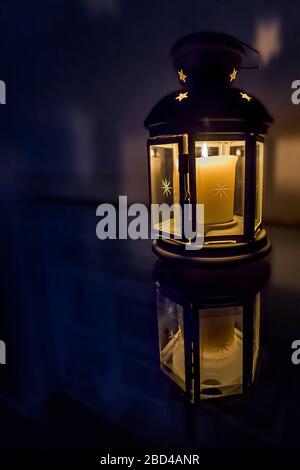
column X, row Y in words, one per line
column 79, row 320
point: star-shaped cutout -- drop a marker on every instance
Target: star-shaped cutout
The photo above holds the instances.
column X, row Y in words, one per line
column 166, row 187
column 182, row 96
column 182, row 76
column 224, row 350
column 245, row 96
column 233, row 75
column 223, row 347
column 221, row 190
column 174, row 336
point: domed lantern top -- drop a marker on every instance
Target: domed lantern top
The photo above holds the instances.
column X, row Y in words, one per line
column 207, row 58
column 206, row 147
column 207, row 65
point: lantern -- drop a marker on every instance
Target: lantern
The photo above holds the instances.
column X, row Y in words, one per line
column 206, row 146
column 209, row 328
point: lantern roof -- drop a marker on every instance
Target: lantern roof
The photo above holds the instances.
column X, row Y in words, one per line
column 209, row 110
column 207, row 63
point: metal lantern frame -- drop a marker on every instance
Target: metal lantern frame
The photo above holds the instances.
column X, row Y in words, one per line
column 187, row 169
column 212, row 112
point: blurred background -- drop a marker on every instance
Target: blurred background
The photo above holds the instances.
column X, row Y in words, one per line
column 81, row 77
column 79, row 316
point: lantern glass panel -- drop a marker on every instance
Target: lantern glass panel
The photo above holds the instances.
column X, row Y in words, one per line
column 221, row 351
column 171, row 339
column 164, row 169
column 259, row 183
column 220, row 186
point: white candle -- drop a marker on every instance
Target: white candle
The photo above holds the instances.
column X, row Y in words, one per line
column 217, row 342
column 215, row 186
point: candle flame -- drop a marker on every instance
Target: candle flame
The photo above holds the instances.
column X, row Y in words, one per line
column 204, row 151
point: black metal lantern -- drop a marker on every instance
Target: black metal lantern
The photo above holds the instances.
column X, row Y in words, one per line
column 209, row 328
column 206, row 147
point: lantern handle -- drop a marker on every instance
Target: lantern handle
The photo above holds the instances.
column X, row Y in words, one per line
column 252, row 49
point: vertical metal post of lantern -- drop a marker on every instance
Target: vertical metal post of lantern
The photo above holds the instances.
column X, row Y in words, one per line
column 250, row 183
column 192, row 352
column 192, row 177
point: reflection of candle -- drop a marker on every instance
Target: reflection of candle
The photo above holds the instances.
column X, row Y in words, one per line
column 215, row 186
column 216, row 335
column 217, row 342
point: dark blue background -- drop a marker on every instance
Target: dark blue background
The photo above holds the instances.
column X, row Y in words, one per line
column 78, row 315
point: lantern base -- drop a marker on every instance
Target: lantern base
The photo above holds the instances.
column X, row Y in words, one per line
column 215, row 254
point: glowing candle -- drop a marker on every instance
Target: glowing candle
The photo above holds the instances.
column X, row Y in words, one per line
column 215, row 186
column 217, row 342
column 216, row 335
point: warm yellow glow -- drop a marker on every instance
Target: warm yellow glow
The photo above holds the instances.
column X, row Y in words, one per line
column 233, row 75
column 216, row 336
column 220, row 351
column 182, row 96
column 259, row 183
column 245, row 96
column 215, row 186
column 182, row 76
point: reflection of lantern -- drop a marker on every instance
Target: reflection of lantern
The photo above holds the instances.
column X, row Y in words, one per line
column 209, row 328
column 206, row 147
